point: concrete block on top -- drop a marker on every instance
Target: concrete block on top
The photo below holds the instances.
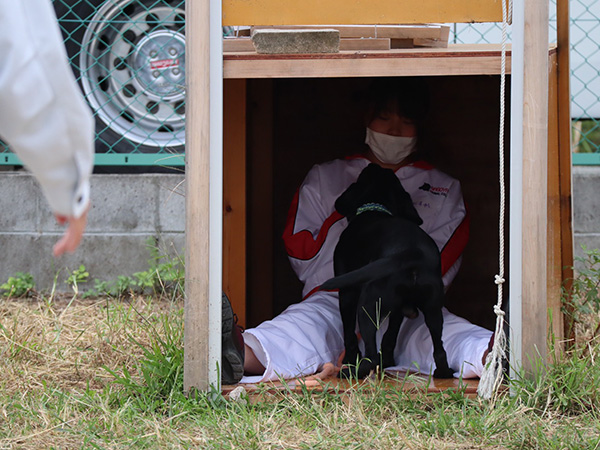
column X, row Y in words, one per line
column 281, row 41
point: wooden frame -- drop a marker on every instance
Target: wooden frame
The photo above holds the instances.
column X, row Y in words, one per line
column 545, row 164
column 197, row 256
column 529, row 187
column 342, row 12
column 457, row 59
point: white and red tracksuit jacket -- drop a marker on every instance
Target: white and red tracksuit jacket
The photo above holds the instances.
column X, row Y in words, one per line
column 313, row 225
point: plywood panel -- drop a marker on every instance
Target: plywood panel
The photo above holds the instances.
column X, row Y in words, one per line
column 343, row 12
column 234, row 195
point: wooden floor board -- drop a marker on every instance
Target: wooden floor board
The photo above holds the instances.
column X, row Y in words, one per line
column 393, row 381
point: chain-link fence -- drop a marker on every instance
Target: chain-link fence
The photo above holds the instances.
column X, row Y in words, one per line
column 584, row 33
column 129, row 58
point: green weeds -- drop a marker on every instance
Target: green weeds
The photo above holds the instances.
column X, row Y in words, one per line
column 19, row 285
column 164, row 277
column 581, row 297
column 107, row 373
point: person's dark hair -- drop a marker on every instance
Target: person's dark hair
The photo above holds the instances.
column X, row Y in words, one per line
column 407, row 96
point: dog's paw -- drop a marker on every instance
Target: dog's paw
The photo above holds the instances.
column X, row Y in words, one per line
column 443, row 373
column 352, row 371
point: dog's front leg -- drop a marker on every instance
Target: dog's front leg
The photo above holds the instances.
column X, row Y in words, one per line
column 434, row 321
column 348, row 304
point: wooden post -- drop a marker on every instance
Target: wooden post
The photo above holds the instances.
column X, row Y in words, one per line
column 234, row 195
column 531, row 34
column 555, row 257
column 564, row 143
column 202, row 339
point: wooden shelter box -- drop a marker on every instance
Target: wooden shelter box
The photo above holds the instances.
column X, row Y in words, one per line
column 284, row 113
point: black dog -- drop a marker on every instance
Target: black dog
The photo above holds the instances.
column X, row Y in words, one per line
column 385, row 265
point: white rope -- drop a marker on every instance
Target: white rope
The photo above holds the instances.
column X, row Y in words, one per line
column 492, row 370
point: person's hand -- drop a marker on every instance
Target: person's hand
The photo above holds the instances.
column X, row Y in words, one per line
column 329, row 370
column 73, row 234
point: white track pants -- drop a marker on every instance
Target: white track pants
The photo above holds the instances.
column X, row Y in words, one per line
column 307, row 335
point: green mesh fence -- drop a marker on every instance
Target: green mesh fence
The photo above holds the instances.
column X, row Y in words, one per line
column 129, row 58
column 584, row 31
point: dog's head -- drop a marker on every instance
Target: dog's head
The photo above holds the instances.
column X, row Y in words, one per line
column 380, row 186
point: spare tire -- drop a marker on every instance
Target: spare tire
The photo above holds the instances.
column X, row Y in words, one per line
column 129, row 58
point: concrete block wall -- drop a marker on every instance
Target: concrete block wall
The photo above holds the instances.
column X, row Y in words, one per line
column 126, row 211
column 586, row 208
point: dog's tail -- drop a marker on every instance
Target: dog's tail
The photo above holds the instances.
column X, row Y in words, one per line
column 375, row 270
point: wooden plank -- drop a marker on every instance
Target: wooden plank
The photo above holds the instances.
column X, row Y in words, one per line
column 440, row 41
column 457, row 59
column 318, row 12
column 430, row 43
column 364, row 44
column 416, row 384
column 564, row 138
column 196, row 339
column 554, row 266
column 234, row 195
column 535, row 183
column 243, row 44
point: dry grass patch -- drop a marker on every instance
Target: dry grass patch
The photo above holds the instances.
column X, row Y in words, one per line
column 68, row 342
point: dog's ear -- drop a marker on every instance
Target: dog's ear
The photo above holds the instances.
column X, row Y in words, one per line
column 353, row 197
column 347, row 203
column 405, row 205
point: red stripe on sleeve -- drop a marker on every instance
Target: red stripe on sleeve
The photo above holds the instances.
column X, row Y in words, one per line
column 456, row 244
column 302, row 245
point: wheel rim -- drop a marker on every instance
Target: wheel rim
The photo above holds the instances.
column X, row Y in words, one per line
column 133, row 71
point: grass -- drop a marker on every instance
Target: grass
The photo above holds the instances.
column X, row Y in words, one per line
column 105, row 373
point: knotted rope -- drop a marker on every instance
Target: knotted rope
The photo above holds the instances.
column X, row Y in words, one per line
column 492, row 369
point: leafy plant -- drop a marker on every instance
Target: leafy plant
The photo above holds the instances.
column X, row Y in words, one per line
column 115, row 288
column 581, row 299
column 78, row 276
column 165, row 275
column 19, row 285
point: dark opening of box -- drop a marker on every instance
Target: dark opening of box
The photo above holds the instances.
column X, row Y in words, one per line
column 296, row 123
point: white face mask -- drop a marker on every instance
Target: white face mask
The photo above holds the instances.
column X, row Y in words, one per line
column 390, row 149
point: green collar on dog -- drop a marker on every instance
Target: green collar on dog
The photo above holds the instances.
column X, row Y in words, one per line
column 373, row 207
